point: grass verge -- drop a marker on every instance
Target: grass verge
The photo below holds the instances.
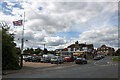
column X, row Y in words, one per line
column 116, row 59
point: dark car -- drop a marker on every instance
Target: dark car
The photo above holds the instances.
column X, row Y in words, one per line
column 36, row 58
column 81, row 60
column 102, row 56
column 28, row 59
column 97, row 57
column 45, row 60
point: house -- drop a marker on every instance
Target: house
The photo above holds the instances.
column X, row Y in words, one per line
column 65, row 49
column 81, row 47
column 105, row 50
column 82, row 50
column 95, row 51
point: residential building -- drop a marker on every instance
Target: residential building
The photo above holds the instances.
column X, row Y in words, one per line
column 83, row 50
column 81, row 47
column 105, row 50
column 95, row 51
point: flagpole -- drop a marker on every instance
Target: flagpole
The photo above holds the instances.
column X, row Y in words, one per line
column 22, row 44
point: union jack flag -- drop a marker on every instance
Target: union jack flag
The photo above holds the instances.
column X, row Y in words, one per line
column 18, row 23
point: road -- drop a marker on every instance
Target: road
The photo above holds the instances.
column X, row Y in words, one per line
column 104, row 68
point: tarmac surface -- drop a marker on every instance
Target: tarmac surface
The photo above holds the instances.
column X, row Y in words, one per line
column 104, row 68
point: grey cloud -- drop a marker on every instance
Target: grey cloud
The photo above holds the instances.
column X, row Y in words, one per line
column 105, row 35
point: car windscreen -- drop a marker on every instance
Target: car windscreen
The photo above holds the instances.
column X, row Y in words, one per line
column 54, row 58
column 83, row 58
column 79, row 58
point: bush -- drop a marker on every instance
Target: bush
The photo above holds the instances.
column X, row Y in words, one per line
column 10, row 59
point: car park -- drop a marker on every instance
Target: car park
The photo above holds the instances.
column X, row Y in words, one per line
column 57, row 59
column 81, row 60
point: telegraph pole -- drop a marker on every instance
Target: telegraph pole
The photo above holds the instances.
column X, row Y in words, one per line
column 44, row 48
column 22, row 44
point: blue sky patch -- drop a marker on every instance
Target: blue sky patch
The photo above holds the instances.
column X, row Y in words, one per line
column 68, row 35
column 40, row 8
column 5, row 9
column 18, row 6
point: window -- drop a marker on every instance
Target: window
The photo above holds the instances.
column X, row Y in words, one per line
column 69, row 49
column 107, row 51
column 82, row 47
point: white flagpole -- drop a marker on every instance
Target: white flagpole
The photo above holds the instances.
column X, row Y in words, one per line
column 22, row 43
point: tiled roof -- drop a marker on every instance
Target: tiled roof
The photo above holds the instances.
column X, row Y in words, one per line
column 80, row 45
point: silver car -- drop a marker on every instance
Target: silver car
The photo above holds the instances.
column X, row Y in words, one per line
column 57, row 60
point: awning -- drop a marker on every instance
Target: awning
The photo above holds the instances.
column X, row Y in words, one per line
column 75, row 54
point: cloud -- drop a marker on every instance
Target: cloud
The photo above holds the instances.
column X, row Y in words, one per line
column 43, row 21
column 55, row 41
column 105, row 35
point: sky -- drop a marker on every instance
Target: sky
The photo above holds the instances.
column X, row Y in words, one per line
column 58, row 24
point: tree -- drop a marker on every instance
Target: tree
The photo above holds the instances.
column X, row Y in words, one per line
column 26, row 51
column 42, row 52
column 37, row 51
column 10, row 59
column 29, row 51
column 117, row 52
column 45, row 51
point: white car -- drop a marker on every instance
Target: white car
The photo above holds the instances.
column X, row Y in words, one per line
column 57, row 59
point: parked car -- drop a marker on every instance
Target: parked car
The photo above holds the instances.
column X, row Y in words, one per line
column 48, row 55
column 45, row 60
column 97, row 58
column 81, row 60
column 28, row 59
column 24, row 57
column 57, row 59
column 39, row 58
column 67, row 59
column 102, row 56
column 36, row 58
